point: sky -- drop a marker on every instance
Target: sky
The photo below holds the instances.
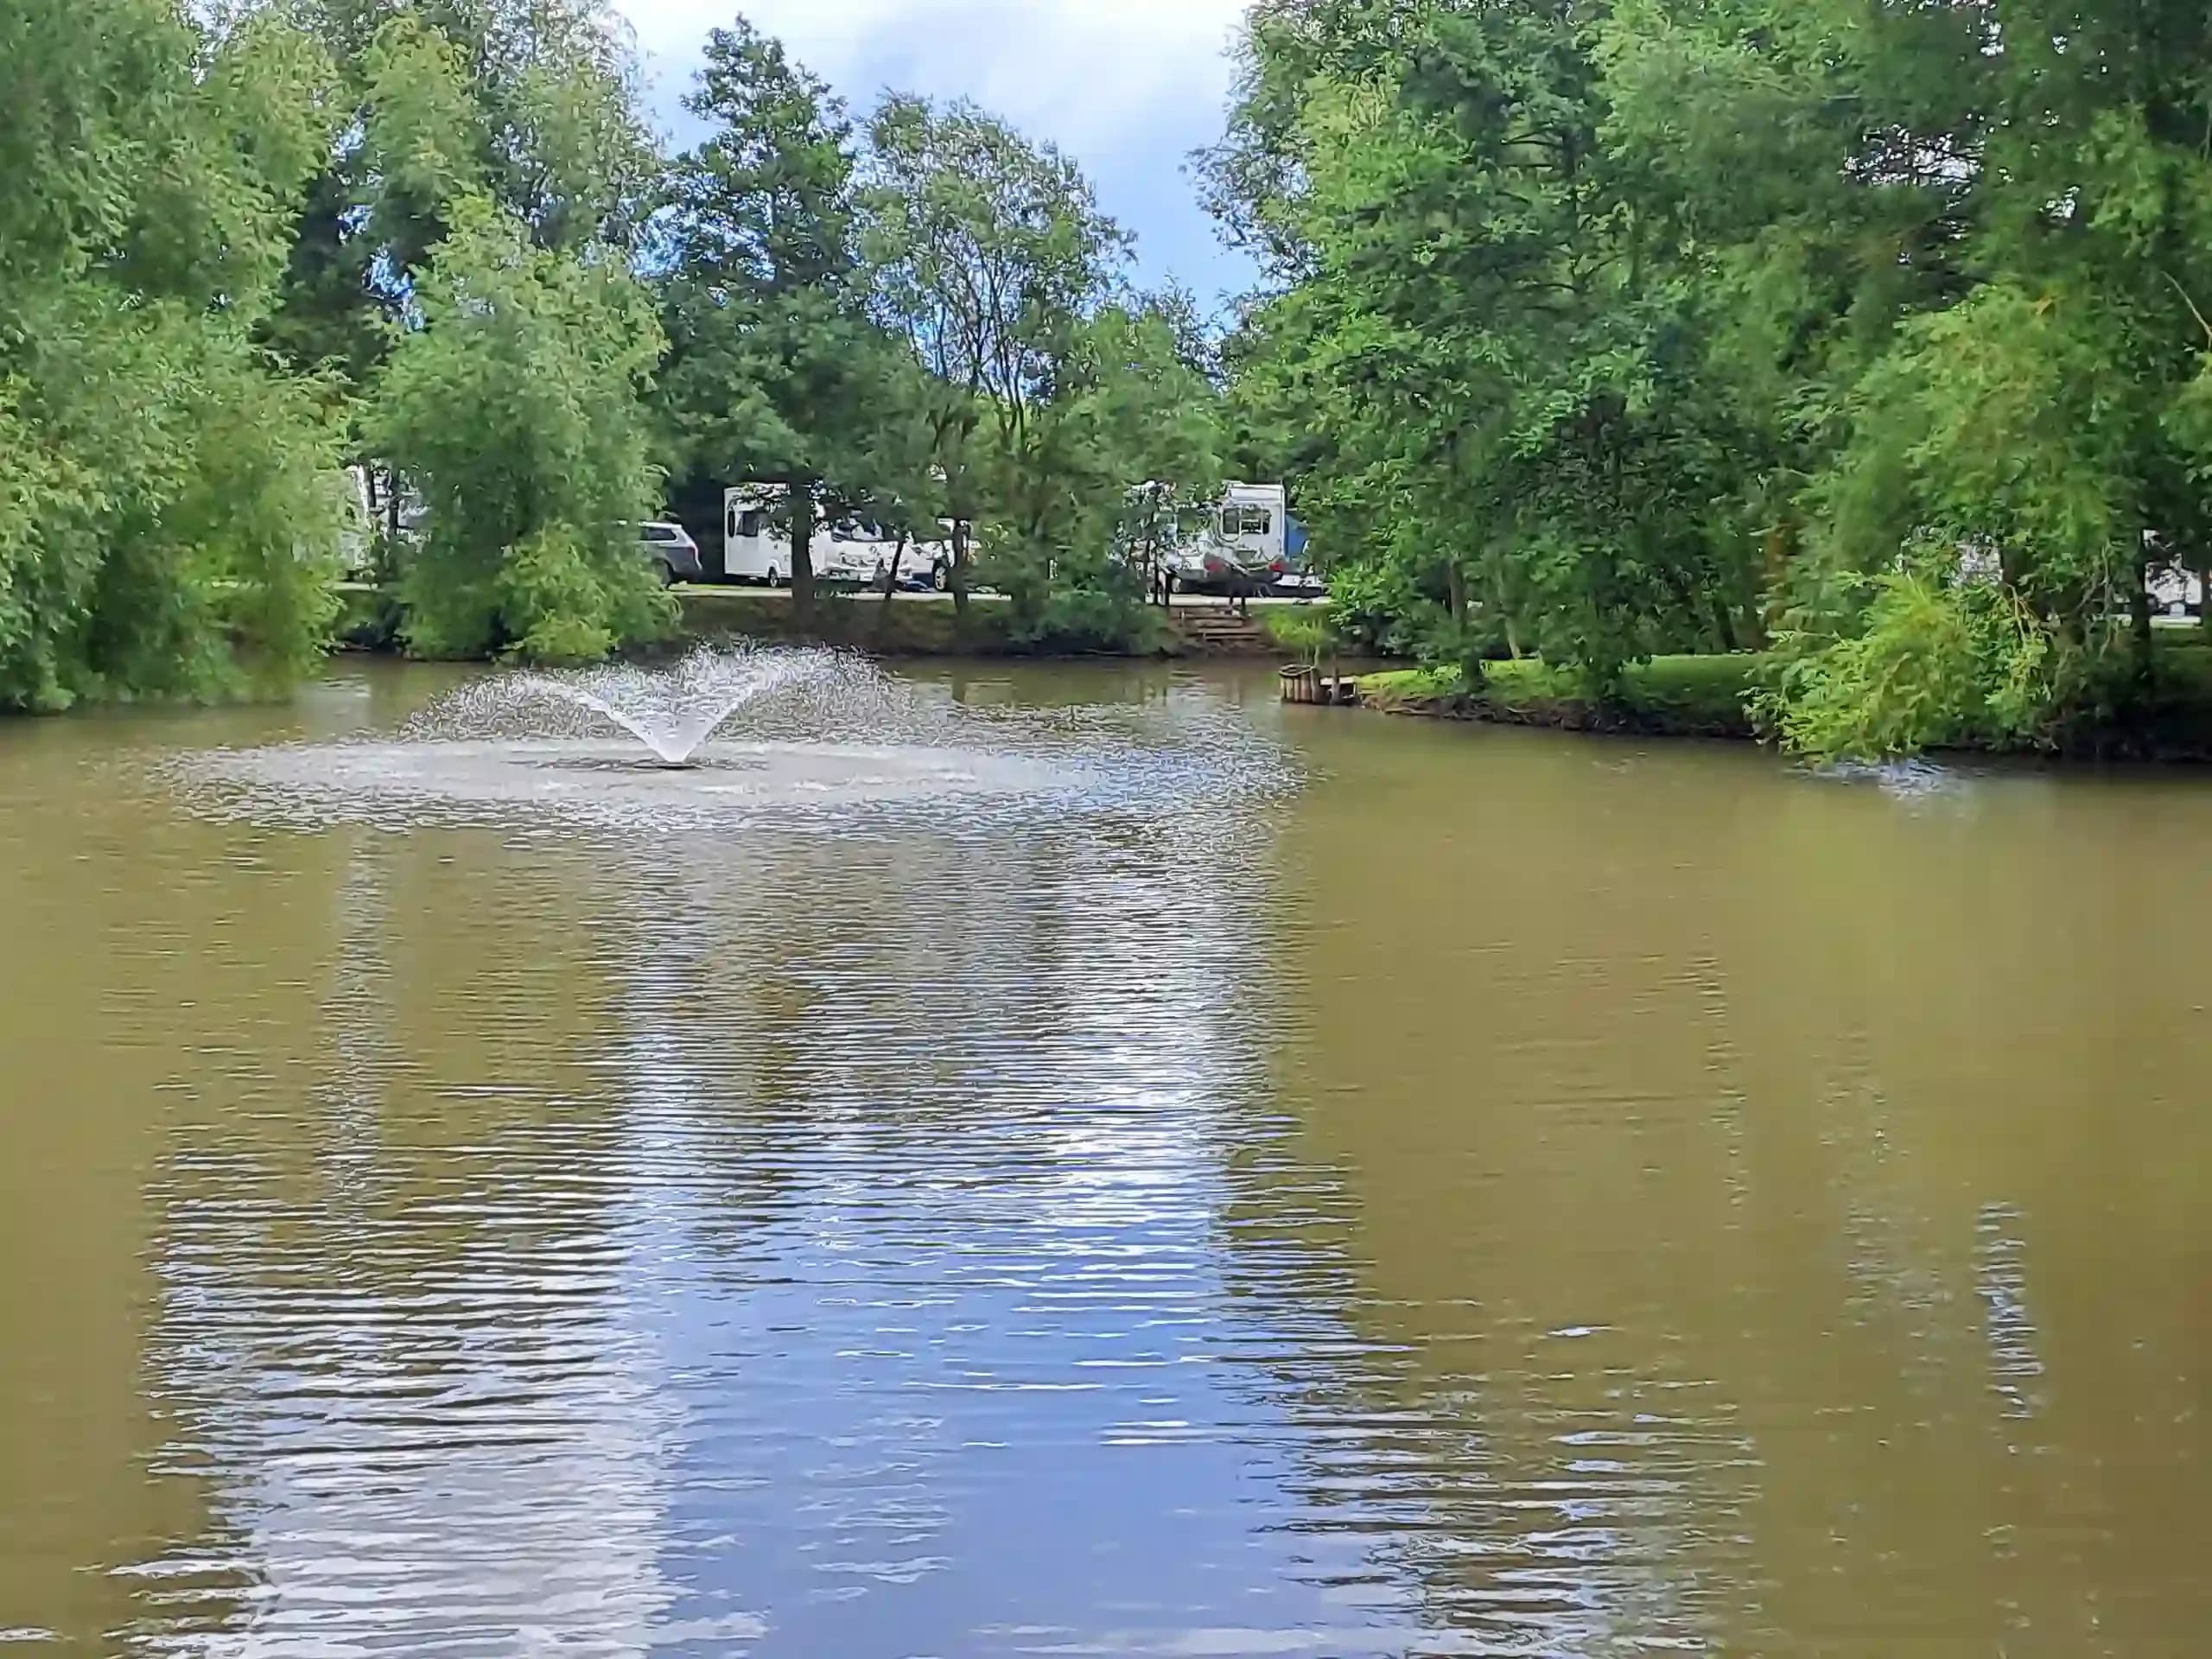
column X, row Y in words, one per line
column 1126, row 88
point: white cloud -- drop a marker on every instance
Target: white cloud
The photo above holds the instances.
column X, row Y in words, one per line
column 1085, row 70
column 1128, row 87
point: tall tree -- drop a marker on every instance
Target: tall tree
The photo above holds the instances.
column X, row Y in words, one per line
column 1477, row 314
column 775, row 371
column 1131, row 437
column 989, row 254
column 1966, row 256
column 169, row 509
column 529, row 103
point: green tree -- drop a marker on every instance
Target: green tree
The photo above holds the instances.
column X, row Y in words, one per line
column 516, row 407
column 169, row 512
column 776, row 373
column 1967, row 255
column 989, row 254
column 1478, row 318
column 528, row 102
column 1126, row 446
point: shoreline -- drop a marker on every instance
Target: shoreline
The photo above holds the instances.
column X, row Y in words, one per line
column 909, row 626
column 1704, row 697
column 1687, row 696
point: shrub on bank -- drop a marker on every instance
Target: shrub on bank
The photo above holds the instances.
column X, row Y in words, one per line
column 2166, row 715
column 1693, row 695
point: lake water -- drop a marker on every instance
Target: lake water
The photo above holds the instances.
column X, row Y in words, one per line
column 1484, row 1192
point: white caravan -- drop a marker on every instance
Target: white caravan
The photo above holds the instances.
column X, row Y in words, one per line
column 754, row 549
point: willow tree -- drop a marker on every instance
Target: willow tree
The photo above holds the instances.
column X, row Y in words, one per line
column 168, row 502
column 529, row 102
column 516, row 407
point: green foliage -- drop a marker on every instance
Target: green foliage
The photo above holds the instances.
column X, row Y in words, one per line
column 776, row 372
column 1690, row 695
column 526, row 102
column 1482, row 327
column 1096, row 610
column 166, row 524
column 1041, row 404
column 1126, row 405
column 1610, row 328
column 516, row 409
column 1928, row 663
column 1305, row 631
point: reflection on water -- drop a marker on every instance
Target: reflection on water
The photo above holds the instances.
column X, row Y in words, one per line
column 1517, row 1195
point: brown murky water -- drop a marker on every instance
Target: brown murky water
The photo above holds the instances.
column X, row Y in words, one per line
column 1514, row 1194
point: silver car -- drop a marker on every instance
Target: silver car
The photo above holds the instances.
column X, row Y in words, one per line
column 672, row 545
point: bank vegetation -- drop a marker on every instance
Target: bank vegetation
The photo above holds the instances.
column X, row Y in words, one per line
column 262, row 260
column 1868, row 341
column 1872, row 338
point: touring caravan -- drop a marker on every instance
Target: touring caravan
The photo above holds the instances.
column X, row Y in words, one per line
column 754, row 549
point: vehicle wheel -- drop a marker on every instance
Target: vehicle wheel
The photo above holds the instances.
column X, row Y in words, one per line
column 667, row 574
column 941, row 578
column 775, row 579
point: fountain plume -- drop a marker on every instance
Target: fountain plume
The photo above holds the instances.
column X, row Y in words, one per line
column 671, row 709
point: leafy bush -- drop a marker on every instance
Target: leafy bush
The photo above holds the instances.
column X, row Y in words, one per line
column 1305, row 631
column 1379, row 608
column 1092, row 619
column 1928, row 663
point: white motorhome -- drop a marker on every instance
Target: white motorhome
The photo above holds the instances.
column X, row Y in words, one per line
column 752, row 549
column 1244, row 541
column 1253, row 522
column 756, row 550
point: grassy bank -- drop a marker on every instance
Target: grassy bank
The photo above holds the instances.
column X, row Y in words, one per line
column 1706, row 696
column 907, row 626
column 1689, row 696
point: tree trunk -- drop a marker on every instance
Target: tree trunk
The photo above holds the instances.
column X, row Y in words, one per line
column 1504, row 611
column 1455, row 589
column 2139, row 613
column 1723, row 623
column 960, row 568
column 802, row 498
column 388, row 562
column 2203, row 596
column 889, row 586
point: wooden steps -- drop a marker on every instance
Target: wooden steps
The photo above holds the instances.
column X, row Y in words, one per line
column 1218, row 630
